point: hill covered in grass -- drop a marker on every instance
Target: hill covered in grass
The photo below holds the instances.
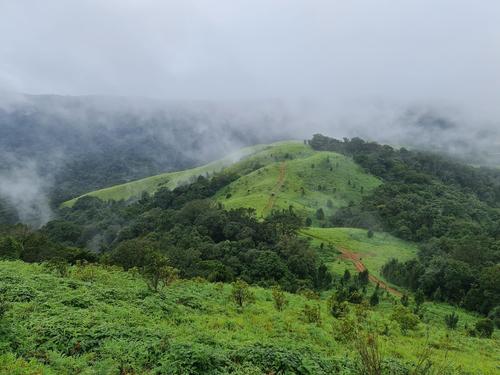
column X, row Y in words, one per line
column 338, row 247
column 270, row 177
column 93, row 319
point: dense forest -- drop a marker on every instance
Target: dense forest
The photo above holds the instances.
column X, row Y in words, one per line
column 199, row 238
column 450, row 208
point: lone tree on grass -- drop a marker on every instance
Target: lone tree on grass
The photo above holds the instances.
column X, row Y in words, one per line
column 242, row 294
column 157, row 272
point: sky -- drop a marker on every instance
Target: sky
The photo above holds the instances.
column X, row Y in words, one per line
column 431, row 51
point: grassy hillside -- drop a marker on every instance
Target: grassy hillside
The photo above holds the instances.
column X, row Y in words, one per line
column 170, row 180
column 272, row 176
column 295, row 175
column 99, row 320
column 373, row 252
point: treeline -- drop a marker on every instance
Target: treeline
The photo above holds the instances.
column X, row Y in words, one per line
column 448, row 207
column 197, row 237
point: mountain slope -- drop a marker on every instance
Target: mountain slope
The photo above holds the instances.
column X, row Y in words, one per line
column 271, row 176
column 98, row 319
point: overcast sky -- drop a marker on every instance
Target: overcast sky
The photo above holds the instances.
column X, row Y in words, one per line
column 420, row 50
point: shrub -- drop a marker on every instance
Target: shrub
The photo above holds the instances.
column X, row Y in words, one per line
column 405, row 318
column 337, row 308
column 58, row 265
column 279, row 298
column 451, row 320
column 312, row 313
column 369, row 354
column 484, row 328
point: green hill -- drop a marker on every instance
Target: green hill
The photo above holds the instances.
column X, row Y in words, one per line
column 100, row 320
column 373, row 252
column 271, row 176
column 171, row 180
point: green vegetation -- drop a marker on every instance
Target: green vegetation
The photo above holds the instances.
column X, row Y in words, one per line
column 134, row 189
column 99, row 319
column 276, row 176
column 373, row 251
column 192, row 272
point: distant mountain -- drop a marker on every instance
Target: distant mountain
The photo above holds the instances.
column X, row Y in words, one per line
column 63, row 146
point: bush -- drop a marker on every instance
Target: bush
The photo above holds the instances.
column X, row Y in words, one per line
column 312, row 313
column 451, row 320
column 279, row 298
column 338, row 309
column 484, row 328
column 405, row 318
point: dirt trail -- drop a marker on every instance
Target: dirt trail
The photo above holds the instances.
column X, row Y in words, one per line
column 274, row 193
column 356, row 259
column 358, row 264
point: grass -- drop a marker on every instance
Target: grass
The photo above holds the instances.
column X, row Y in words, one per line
column 311, row 178
column 299, row 177
column 374, row 252
column 171, row 180
column 102, row 320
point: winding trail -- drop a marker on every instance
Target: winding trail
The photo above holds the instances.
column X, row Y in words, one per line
column 356, row 260
column 359, row 265
column 274, row 193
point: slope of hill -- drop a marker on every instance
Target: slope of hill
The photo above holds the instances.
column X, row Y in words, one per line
column 272, row 176
column 300, row 178
column 170, row 180
column 100, row 320
column 353, row 249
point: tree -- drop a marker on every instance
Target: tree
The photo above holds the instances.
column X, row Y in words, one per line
column 363, row 278
column 484, row 328
column 312, row 313
column 346, row 277
column 405, row 301
column 242, row 294
column 157, row 272
column 9, row 248
column 374, row 299
column 337, row 309
column 320, row 214
column 451, row 320
column 279, row 298
column 419, row 298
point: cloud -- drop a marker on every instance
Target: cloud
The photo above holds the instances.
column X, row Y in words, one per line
column 390, row 50
column 24, row 189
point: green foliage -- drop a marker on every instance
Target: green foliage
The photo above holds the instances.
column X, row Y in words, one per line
column 405, row 318
column 448, row 206
column 312, row 313
column 374, row 298
column 9, row 248
column 338, row 309
column 279, row 298
column 405, row 301
column 451, row 320
column 484, row 328
column 242, row 294
column 157, row 272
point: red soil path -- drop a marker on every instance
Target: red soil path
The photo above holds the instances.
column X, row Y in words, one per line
column 356, row 259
